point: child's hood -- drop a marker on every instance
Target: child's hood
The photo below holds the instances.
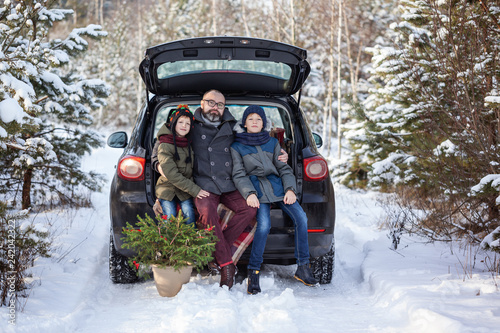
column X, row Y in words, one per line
column 164, row 130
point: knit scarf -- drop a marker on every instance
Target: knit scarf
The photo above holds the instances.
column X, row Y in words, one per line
column 252, row 139
column 177, row 141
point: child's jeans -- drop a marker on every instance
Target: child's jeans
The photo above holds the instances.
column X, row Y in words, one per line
column 187, row 207
column 299, row 219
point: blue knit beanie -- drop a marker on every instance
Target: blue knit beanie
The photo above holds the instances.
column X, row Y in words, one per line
column 254, row 109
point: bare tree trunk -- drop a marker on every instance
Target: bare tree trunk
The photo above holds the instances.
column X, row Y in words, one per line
column 353, row 71
column 101, row 12
column 26, row 195
column 289, row 36
column 497, row 138
column 276, row 22
column 339, row 113
column 100, row 114
column 327, row 118
column 244, row 16
column 214, row 18
column 96, row 10
column 292, row 22
column 75, row 16
column 141, row 52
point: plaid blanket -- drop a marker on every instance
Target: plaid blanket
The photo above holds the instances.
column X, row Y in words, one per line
column 246, row 237
column 225, row 215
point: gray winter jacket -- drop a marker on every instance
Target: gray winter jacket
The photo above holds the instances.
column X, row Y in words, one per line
column 213, row 165
column 256, row 169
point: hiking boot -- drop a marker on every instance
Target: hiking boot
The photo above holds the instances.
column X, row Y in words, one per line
column 305, row 275
column 253, row 286
column 213, row 268
column 227, row 275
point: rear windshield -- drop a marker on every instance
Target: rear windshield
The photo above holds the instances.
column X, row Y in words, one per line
column 277, row 116
column 272, row 69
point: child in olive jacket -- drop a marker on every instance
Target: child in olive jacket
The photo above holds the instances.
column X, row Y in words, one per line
column 262, row 179
column 175, row 158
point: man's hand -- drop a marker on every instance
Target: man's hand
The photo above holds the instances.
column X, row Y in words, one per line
column 289, row 198
column 253, row 201
column 157, row 208
column 283, row 157
column 202, row 194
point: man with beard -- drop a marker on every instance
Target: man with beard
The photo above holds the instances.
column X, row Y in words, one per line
column 212, row 136
column 212, row 170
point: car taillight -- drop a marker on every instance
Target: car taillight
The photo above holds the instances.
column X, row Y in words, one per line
column 131, row 168
column 315, row 169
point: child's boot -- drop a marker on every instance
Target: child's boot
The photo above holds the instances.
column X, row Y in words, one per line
column 305, row 275
column 253, row 282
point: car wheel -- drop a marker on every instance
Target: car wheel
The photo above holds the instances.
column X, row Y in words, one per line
column 119, row 268
column 323, row 266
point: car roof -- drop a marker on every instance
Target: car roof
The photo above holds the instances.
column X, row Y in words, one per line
column 233, row 65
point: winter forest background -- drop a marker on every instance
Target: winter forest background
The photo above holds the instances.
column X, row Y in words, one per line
column 410, row 89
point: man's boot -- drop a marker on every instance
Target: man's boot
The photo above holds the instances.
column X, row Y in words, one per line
column 305, row 275
column 253, row 286
column 213, row 268
column 227, row 275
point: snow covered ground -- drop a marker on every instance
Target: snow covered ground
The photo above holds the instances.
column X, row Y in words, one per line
column 420, row 288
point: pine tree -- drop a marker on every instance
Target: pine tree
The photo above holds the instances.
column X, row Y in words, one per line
column 45, row 107
column 433, row 120
column 366, row 24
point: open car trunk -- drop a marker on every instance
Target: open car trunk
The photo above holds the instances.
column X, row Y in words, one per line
column 278, row 116
column 233, row 65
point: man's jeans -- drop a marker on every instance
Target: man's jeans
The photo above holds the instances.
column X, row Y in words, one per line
column 299, row 219
column 187, row 207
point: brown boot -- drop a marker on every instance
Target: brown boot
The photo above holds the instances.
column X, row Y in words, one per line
column 213, row 268
column 227, row 275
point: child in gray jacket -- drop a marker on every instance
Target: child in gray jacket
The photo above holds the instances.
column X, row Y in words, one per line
column 262, row 179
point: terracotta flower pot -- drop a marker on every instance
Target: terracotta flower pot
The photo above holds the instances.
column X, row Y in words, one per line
column 169, row 281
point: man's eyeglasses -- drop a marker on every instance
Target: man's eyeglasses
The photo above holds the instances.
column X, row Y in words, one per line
column 213, row 103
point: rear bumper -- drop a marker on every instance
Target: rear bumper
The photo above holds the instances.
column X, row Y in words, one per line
column 319, row 244
column 280, row 245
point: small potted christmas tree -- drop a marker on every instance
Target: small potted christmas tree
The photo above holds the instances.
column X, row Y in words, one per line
column 171, row 247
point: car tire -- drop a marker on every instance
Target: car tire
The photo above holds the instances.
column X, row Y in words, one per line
column 323, row 266
column 119, row 269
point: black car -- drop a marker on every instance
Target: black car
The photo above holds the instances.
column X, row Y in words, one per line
column 247, row 71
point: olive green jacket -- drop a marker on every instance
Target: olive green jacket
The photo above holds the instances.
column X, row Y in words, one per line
column 178, row 180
